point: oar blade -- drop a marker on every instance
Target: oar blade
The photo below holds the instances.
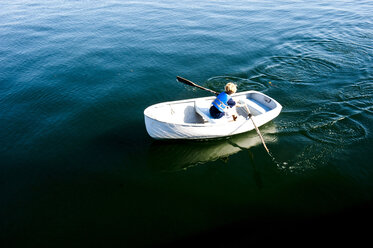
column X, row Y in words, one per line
column 190, row 83
column 185, row 81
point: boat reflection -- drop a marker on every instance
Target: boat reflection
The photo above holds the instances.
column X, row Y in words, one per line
column 178, row 155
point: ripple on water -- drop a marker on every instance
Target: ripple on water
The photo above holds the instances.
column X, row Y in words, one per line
column 243, row 84
column 358, row 95
column 333, row 128
column 311, row 157
column 299, row 69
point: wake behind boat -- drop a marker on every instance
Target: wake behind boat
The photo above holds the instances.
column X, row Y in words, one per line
column 190, row 119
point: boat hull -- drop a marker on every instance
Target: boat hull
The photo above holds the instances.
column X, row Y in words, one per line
column 175, row 126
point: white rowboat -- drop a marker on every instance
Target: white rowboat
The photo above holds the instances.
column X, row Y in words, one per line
column 190, row 119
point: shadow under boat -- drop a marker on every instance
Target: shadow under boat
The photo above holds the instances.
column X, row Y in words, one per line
column 179, row 155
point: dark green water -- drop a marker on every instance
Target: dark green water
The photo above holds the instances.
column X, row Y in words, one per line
column 77, row 167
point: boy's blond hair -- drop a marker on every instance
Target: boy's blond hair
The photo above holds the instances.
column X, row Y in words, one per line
column 230, row 88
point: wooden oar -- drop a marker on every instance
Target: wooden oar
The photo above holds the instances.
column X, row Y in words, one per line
column 190, row 83
column 256, row 128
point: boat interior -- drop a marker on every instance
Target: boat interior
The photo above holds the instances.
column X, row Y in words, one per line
column 196, row 111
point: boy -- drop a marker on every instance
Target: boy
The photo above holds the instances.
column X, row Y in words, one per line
column 223, row 102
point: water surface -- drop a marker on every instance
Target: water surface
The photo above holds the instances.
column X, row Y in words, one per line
column 76, row 163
